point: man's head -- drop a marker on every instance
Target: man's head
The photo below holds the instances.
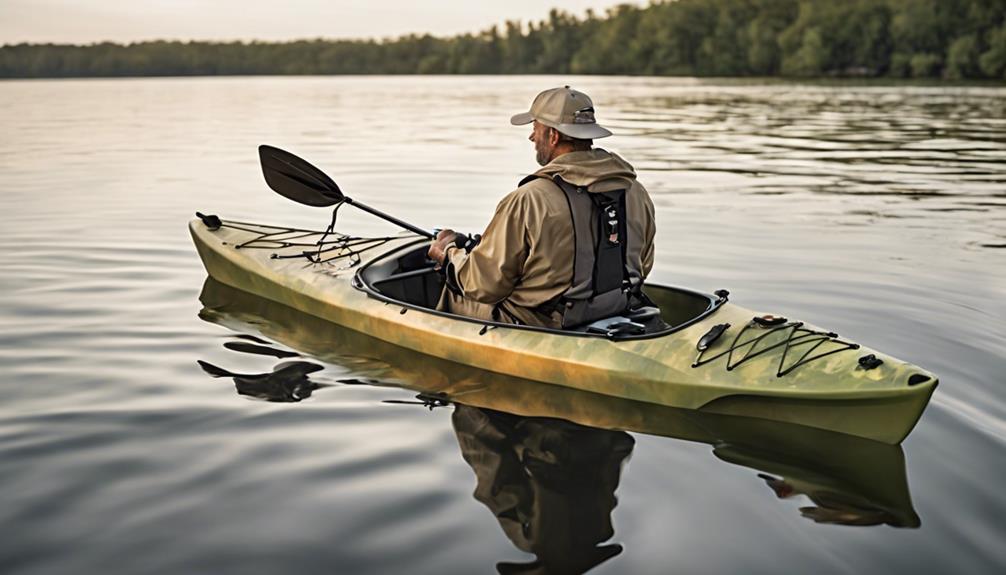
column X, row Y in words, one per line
column 550, row 143
column 563, row 122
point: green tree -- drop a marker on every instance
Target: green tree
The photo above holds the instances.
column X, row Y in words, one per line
column 723, row 52
column 613, row 48
column 993, row 61
column 962, row 58
column 925, row 65
column 764, row 56
column 865, row 37
column 810, row 58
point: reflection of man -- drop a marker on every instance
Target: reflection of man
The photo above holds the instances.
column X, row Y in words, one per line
column 571, row 244
column 550, row 484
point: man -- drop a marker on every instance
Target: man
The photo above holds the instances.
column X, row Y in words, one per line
column 570, row 245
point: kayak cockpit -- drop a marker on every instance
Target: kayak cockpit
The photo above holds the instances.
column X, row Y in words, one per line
column 407, row 277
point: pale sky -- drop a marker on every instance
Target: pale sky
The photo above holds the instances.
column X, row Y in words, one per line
column 86, row 21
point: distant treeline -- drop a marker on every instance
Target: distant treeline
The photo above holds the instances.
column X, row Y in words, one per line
column 799, row 38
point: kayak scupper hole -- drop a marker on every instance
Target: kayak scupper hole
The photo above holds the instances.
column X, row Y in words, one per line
column 917, row 379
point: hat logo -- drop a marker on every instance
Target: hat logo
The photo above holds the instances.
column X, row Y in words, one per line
column 584, row 116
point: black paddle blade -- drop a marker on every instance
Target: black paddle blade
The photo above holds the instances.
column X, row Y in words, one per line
column 296, row 179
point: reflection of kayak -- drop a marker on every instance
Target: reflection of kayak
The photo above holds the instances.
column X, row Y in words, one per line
column 772, row 369
column 851, row 480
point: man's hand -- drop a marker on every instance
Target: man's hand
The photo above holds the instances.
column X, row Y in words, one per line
column 438, row 247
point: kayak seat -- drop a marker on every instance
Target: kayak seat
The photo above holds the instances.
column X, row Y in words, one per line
column 410, row 277
column 419, row 286
column 633, row 322
column 645, row 313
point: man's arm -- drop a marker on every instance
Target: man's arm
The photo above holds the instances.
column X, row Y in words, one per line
column 490, row 271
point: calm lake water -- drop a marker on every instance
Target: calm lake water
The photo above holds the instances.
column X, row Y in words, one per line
column 876, row 211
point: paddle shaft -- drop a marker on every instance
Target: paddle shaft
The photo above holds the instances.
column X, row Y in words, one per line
column 392, row 219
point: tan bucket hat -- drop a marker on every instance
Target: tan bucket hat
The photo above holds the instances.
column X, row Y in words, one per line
column 567, row 110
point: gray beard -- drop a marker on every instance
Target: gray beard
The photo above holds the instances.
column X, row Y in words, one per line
column 541, row 158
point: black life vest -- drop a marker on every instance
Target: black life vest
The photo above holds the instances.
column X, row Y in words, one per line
column 605, row 282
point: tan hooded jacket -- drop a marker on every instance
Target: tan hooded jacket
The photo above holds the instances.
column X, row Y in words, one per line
column 525, row 258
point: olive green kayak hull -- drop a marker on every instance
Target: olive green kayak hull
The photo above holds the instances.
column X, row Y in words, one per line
column 833, row 392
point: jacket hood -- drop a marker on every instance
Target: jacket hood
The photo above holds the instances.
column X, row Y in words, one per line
column 598, row 170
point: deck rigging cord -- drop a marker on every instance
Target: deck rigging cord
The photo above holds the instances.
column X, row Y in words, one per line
column 339, row 246
column 794, row 335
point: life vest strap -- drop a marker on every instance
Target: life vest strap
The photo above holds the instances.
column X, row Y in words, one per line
column 600, row 285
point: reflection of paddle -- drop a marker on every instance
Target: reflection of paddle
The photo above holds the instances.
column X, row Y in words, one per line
column 288, row 382
column 296, row 179
column 245, row 347
column 429, row 400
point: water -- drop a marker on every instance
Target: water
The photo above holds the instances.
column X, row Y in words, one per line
column 877, row 211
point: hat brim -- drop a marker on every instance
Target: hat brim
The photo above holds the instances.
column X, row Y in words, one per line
column 583, row 131
column 578, row 131
column 521, row 119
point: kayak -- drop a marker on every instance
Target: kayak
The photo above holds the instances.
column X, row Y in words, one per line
column 690, row 350
column 848, row 479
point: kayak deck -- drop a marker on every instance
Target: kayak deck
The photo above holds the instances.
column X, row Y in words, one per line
column 793, row 373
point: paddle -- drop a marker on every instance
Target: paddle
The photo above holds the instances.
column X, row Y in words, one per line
column 296, row 179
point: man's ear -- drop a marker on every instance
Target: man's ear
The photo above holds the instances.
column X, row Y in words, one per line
column 553, row 137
